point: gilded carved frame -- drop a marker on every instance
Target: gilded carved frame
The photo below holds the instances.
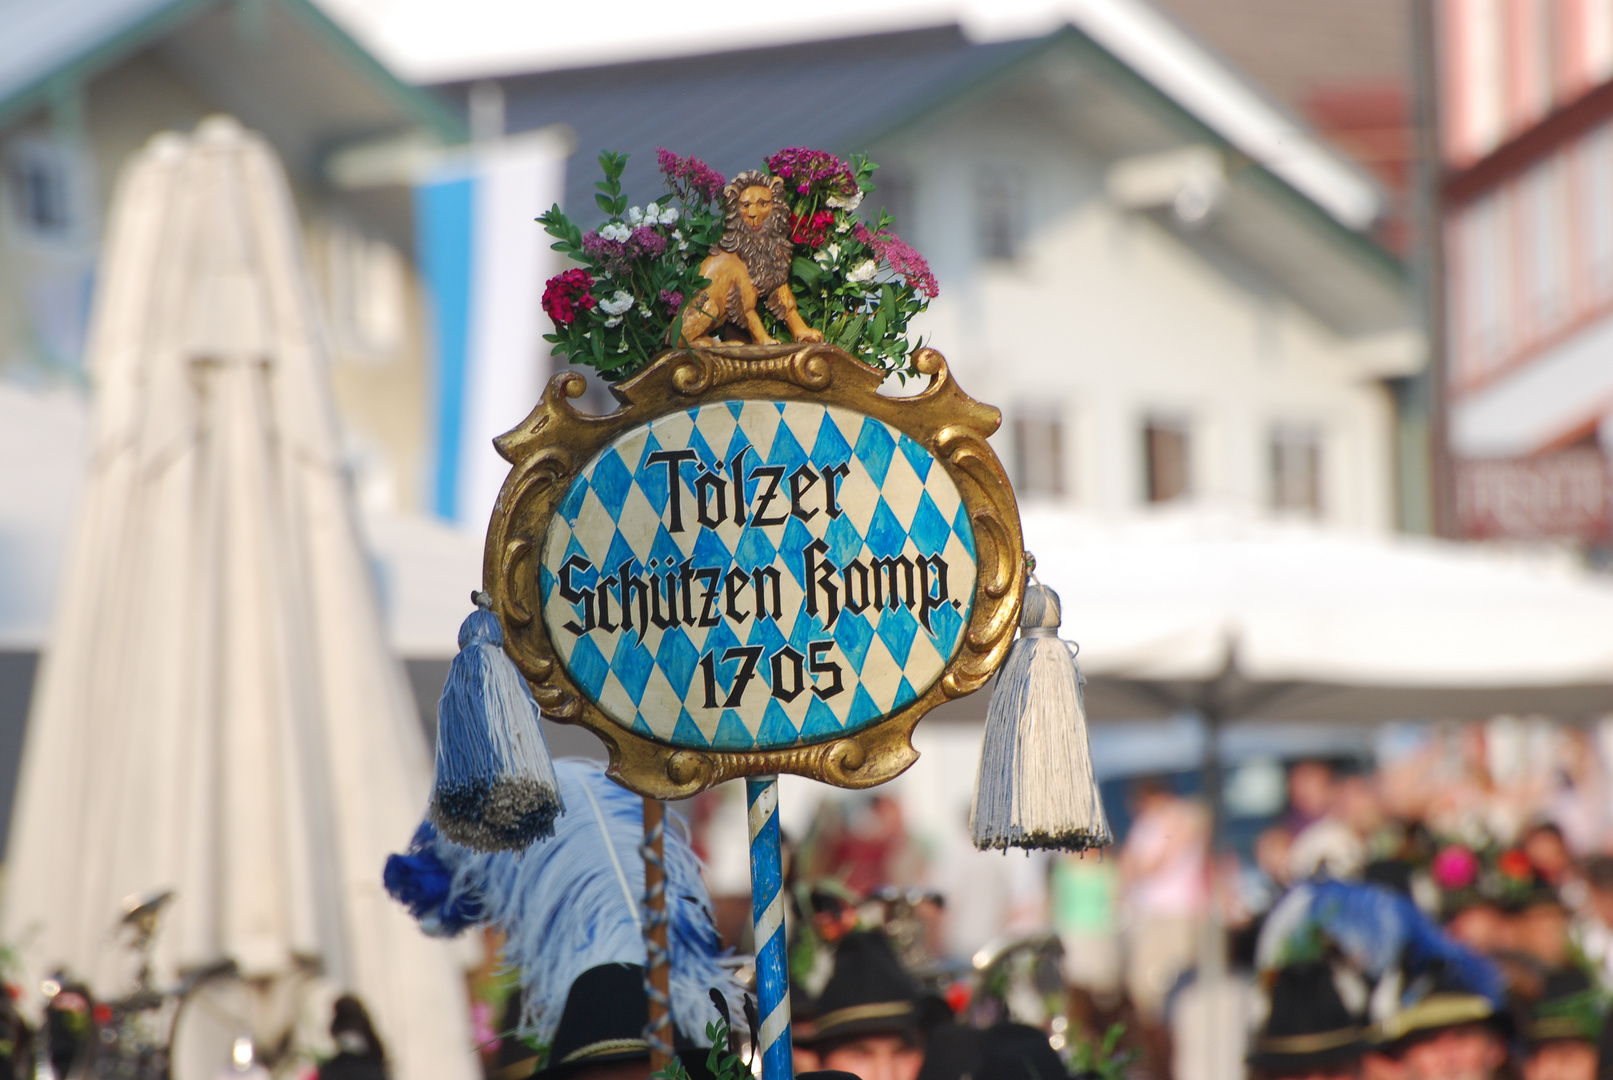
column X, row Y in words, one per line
column 554, row 443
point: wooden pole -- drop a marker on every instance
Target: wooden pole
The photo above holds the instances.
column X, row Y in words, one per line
column 658, row 1031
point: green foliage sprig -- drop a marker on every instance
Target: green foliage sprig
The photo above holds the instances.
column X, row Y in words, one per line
column 723, row 1063
column 1102, row 1058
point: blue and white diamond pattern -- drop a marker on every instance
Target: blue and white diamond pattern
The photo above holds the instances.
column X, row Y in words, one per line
column 876, row 536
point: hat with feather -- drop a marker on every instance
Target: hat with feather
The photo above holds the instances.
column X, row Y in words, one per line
column 569, row 909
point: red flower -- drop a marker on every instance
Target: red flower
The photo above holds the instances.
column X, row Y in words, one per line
column 812, row 231
column 566, row 294
column 1515, row 864
column 103, row 1014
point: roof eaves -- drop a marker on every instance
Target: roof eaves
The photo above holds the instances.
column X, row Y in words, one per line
column 1185, row 71
column 47, row 89
column 423, row 105
column 1367, row 250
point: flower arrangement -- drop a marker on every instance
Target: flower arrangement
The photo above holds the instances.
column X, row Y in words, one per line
column 860, row 286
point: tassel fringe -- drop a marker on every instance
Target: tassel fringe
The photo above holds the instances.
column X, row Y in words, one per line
column 1035, row 788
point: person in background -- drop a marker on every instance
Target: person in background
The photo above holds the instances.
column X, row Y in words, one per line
column 359, row 1053
column 1164, row 885
column 1310, row 794
column 867, row 1020
column 1593, row 928
column 1562, row 1028
column 1450, row 1033
column 1085, row 897
column 1309, row 1032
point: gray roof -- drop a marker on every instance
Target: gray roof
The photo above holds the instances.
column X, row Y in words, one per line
column 733, row 109
column 846, row 96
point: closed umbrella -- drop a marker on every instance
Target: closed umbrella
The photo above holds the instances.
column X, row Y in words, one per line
column 218, row 713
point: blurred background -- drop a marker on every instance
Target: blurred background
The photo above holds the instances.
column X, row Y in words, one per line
column 1299, row 312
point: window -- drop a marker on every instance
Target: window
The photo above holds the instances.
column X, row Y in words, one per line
column 1596, row 189
column 1000, row 213
column 1039, row 453
column 364, row 285
column 1296, row 470
column 41, row 189
column 1166, row 456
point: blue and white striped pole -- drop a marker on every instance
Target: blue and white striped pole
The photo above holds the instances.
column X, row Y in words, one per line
column 767, row 914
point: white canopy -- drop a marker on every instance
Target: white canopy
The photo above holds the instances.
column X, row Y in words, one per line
column 1292, row 621
column 218, row 711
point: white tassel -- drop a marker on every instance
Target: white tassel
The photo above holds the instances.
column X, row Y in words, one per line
column 1035, row 788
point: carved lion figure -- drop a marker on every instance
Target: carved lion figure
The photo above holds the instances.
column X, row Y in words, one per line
column 752, row 260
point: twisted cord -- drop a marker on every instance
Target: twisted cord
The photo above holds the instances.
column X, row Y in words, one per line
column 659, row 1035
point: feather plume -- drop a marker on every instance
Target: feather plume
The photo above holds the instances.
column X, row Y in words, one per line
column 1377, row 929
column 570, row 902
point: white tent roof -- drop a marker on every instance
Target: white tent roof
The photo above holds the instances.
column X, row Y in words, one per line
column 1292, row 621
column 218, row 711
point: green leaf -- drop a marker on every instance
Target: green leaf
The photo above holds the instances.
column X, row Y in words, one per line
column 807, row 270
column 605, row 203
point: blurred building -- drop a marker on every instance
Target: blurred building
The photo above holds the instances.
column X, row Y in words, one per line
column 1170, row 286
column 83, row 84
column 1527, row 137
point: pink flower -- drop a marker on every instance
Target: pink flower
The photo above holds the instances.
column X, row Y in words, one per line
column 646, row 241
column 1454, row 868
column 691, row 179
column 903, row 261
column 672, row 300
column 566, row 294
column 803, row 169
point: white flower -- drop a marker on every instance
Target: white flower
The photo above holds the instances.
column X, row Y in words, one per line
column 845, row 202
column 617, row 321
column 843, row 228
column 635, row 215
column 619, row 302
column 669, row 214
column 860, row 273
column 615, row 231
column 828, row 255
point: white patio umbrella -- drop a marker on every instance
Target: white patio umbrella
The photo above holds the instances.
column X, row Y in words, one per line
column 1249, row 620
column 218, row 712
column 1237, row 619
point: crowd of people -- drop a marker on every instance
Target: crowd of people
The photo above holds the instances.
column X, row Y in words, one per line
column 1445, row 913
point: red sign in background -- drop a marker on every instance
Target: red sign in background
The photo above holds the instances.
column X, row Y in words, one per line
column 1566, row 495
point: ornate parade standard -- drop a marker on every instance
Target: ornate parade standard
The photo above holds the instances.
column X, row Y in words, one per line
column 758, row 563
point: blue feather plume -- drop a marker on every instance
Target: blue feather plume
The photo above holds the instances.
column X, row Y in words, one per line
column 1377, row 929
column 573, row 901
column 495, row 787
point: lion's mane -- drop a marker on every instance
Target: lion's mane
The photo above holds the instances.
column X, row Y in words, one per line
column 765, row 251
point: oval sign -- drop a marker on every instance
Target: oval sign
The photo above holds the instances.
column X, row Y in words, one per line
column 826, row 589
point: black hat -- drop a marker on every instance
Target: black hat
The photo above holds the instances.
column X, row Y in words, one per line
column 868, row 993
column 1018, row 1052
column 603, row 1021
column 1569, row 1008
column 1448, row 1003
column 1309, row 1027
